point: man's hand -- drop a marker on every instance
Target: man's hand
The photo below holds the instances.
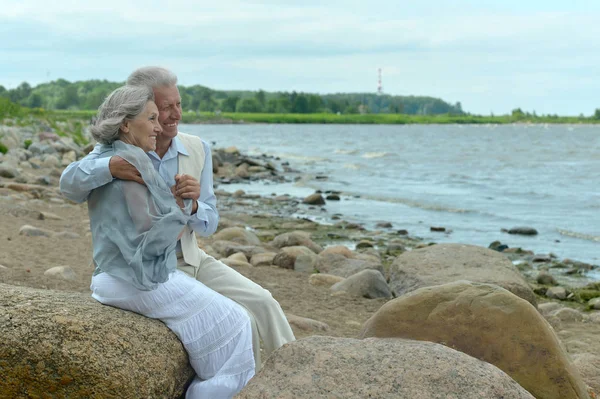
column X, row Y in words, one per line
column 188, row 187
column 121, row 169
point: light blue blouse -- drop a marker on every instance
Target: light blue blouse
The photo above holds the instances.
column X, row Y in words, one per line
column 135, row 227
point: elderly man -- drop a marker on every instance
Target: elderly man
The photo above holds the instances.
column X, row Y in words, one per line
column 185, row 163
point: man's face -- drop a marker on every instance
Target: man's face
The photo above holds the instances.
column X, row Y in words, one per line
column 168, row 101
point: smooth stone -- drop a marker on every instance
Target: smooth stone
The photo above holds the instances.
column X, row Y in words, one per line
column 64, row 272
column 306, row 324
column 556, row 293
column 324, row 280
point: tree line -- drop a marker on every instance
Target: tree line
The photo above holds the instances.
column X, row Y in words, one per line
column 88, row 95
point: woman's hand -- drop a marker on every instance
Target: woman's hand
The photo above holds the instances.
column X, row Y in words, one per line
column 178, row 198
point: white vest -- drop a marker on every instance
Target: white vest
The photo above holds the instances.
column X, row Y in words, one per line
column 191, row 165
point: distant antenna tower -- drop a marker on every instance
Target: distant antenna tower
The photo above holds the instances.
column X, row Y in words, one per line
column 379, row 86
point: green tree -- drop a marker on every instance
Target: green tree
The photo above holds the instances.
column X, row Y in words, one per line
column 230, row 104
column 248, row 105
column 597, row 113
column 261, row 98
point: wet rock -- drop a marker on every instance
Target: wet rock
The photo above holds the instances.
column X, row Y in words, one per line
column 333, row 197
column 384, row 225
column 527, row 231
column 365, row 244
column 488, row 323
column 438, row 229
column 367, row 283
column 328, row 367
column 402, row 232
column 314, row 199
column 498, row 246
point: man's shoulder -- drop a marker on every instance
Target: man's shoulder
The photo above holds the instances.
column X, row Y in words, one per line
column 189, row 139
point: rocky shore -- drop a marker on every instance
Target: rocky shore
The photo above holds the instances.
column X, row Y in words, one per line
column 377, row 312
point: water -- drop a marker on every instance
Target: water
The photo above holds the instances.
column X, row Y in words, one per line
column 473, row 180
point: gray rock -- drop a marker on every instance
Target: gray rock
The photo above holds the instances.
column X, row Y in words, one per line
column 263, row 259
column 71, row 346
column 445, row 263
column 527, row 231
column 594, row 303
column 306, row 324
column 364, row 244
column 546, row 279
column 63, row 272
column 39, row 148
column 305, row 263
column 324, row 280
column 339, row 265
column 31, row 231
column 368, row 284
column 286, row 258
column 314, row 199
column 8, row 172
column 328, row 367
column 384, row 225
column 556, row 293
column 239, row 235
column 294, row 239
column 227, row 248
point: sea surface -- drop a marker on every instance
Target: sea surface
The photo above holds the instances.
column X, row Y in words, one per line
column 473, row 180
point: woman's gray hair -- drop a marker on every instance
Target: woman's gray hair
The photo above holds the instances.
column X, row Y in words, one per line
column 152, row 77
column 125, row 103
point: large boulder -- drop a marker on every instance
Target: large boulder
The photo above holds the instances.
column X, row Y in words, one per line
column 488, row 323
column 67, row 345
column 445, row 263
column 328, row 367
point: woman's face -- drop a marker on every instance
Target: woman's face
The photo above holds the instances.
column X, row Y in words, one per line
column 142, row 130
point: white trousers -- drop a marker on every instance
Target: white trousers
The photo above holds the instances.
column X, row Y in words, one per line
column 214, row 330
column 269, row 323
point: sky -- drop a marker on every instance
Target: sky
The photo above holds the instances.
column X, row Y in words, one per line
column 492, row 56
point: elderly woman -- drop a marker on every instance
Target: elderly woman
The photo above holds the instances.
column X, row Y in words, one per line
column 135, row 229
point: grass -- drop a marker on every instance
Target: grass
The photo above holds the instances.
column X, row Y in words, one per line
column 391, row 119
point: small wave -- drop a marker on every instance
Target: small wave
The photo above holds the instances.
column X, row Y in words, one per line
column 346, row 152
column 582, row 236
column 303, row 158
column 417, row 204
column 376, row 154
column 353, row 166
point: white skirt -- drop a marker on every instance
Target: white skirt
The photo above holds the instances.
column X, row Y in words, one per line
column 214, row 330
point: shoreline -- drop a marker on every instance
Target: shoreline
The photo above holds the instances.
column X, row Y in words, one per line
column 46, row 243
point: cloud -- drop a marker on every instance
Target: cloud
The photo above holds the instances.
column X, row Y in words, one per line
column 486, row 54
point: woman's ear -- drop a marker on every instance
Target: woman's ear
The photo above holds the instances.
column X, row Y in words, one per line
column 125, row 127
